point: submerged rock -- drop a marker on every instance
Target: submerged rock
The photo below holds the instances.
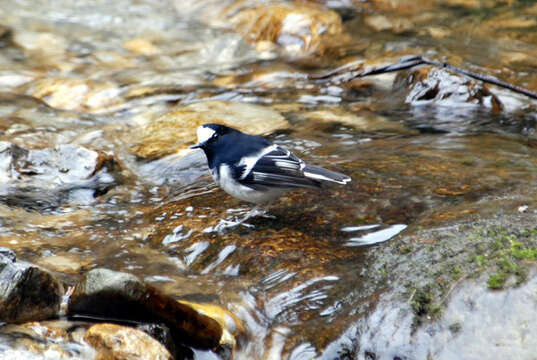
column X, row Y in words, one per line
column 297, row 28
column 383, row 23
column 74, row 94
column 107, row 293
column 115, row 342
column 64, row 263
column 56, row 339
column 44, row 44
column 141, row 46
column 176, row 130
column 49, row 177
column 22, row 116
column 442, row 87
column 27, row 292
column 363, row 121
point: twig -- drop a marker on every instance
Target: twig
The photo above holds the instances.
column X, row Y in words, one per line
column 410, row 62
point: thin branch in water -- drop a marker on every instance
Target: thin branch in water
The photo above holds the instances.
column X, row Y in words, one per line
column 356, row 71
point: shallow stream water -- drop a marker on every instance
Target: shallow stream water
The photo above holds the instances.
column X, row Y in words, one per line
column 94, row 74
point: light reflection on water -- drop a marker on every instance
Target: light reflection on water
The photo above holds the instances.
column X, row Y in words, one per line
column 308, row 295
column 375, row 237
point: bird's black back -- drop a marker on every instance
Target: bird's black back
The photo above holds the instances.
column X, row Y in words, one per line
column 231, row 145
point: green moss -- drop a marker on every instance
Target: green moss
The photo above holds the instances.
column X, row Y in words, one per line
column 455, row 327
column 524, row 254
column 480, row 260
column 508, row 252
column 456, row 272
column 423, row 305
column 497, row 281
column 383, row 270
column 403, row 250
column 504, row 253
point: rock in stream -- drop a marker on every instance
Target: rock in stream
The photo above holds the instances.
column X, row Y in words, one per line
column 27, row 292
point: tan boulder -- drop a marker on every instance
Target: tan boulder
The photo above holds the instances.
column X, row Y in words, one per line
column 175, row 130
column 115, row 342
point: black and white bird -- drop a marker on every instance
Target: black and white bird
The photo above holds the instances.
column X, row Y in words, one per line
column 253, row 169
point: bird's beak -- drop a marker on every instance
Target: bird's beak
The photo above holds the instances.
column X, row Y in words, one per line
column 197, row 146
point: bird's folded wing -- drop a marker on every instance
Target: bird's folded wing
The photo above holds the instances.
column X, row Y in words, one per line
column 277, row 168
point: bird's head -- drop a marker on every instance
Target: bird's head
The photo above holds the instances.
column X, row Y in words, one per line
column 210, row 133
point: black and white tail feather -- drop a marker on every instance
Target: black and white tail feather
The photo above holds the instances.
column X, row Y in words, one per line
column 318, row 173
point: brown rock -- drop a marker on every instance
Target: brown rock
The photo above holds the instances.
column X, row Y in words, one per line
column 113, row 59
column 438, row 32
column 115, row 342
column 383, row 23
column 298, row 28
column 231, row 325
column 176, row 129
column 363, row 121
column 74, row 94
column 107, row 293
column 46, row 44
column 65, row 263
column 141, row 46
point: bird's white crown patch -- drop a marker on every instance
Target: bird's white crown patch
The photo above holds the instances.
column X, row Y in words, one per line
column 204, row 133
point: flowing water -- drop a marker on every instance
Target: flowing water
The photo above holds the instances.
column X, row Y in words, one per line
column 94, row 74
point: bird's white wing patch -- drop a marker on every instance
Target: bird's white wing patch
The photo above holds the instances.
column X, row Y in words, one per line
column 204, row 133
column 249, row 161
